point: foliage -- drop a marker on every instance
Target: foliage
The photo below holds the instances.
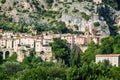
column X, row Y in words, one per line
column 31, row 59
column 85, row 16
column 1, row 57
column 60, row 49
column 112, row 3
column 75, row 56
column 3, row 76
column 112, row 47
column 60, row 27
column 13, row 57
column 71, row 64
column 11, row 68
column 3, row 1
column 96, row 24
column 75, row 10
column 89, row 54
column 44, row 73
column 7, row 25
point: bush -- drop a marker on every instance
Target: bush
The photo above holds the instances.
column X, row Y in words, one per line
column 3, row 1
column 85, row 16
column 75, row 10
column 96, row 24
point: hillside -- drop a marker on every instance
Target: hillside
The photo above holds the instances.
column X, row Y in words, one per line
column 77, row 15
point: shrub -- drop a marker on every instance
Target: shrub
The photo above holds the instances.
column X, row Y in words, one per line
column 96, row 24
column 75, row 10
column 3, row 1
column 85, row 16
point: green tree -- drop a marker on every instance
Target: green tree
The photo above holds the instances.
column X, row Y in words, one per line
column 3, row 1
column 35, row 73
column 75, row 56
column 3, row 76
column 60, row 49
column 61, row 27
column 11, row 68
column 89, row 55
column 13, row 57
column 115, row 73
column 1, row 57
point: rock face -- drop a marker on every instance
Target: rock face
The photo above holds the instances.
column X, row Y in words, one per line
column 72, row 12
column 89, row 10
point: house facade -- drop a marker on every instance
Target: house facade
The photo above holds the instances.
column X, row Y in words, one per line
column 21, row 43
column 114, row 59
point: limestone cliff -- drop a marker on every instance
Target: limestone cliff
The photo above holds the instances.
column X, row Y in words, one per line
column 76, row 15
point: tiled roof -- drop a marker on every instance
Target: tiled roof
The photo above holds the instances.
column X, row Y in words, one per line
column 107, row 55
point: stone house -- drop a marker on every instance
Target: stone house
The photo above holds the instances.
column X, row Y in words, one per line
column 68, row 37
column 114, row 59
column 97, row 1
column 3, row 43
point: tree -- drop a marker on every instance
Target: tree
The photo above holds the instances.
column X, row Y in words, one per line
column 44, row 73
column 115, row 73
column 13, row 57
column 1, row 57
column 113, row 3
column 3, row 76
column 35, row 73
column 75, row 56
column 3, row 1
column 49, row 2
column 11, row 68
column 61, row 27
column 96, row 24
column 60, row 49
column 90, row 53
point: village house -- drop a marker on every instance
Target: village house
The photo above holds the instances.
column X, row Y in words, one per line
column 16, row 43
column 69, row 38
column 114, row 59
column 65, row 0
column 1, row 31
column 22, row 42
column 3, row 43
column 80, row 40
column 27, row 40
column 97, row 1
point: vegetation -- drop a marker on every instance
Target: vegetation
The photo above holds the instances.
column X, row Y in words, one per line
column 96, row 24
column 60, row 49
column 113, row 3
column 3, row 1
column 75, row 10
column 59, row 27
column 49, row 2
column 85, row 16
column 71, row 64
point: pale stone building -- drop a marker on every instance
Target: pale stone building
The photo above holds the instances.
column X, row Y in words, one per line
column 47, row 41
column 97, row 1
column 38, row 46
column 114, row 59
column 3, row 43
column 68, row 37
column 8, row 34
column 65, row 0
column 9, row 43
column 29, row 41
column 80, row 40
column 16, row 43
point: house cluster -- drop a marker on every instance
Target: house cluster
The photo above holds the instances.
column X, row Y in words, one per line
column 65, row 0
column 114, row 59
column 96, row 1
column 21, row 43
